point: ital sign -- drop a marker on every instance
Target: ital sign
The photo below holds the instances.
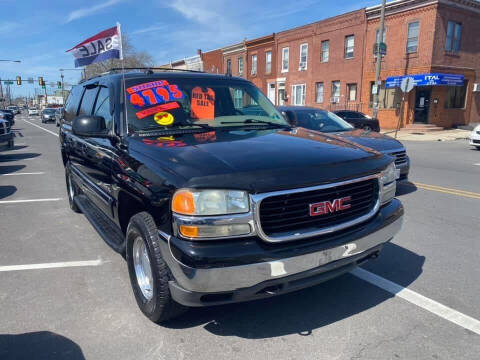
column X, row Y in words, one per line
column 427, row 80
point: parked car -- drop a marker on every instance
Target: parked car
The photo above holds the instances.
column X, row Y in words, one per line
column 328, row 122
column 32, row 111
column 8, row 116
column 359, row 120
column 6, row 135
column 58, row 115
column 14, row 109
column 211, row 206
column 475, row 137
column 48, row 115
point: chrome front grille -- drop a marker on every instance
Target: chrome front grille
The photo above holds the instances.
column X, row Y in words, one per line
column 400, row 157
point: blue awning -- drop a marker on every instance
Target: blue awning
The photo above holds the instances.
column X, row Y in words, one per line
column 427, row 80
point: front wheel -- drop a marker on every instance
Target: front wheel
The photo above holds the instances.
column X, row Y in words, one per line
column 149, row 274
column 72, row 190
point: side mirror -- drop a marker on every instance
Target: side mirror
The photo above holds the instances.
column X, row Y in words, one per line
column 290, row 117
column 90, row 126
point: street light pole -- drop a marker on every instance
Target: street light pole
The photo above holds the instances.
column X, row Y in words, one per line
column 379, row 60
column 1, row 88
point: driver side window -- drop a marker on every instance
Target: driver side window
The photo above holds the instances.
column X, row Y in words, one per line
column 102, row 107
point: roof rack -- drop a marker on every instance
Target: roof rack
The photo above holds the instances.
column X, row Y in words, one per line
column 148, row 70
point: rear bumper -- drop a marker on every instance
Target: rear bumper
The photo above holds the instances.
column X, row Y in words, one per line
column 267, row 270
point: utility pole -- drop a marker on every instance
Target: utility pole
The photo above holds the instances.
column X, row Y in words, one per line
column 63, row 90
column 379, row 60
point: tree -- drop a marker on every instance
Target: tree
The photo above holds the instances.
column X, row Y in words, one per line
column 132, row 58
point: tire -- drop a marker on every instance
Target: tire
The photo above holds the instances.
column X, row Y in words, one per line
column 72, row 190
column 367, row 128
column 154, row 300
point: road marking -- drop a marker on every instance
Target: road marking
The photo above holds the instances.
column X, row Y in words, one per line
column 430, row 305
column 50, row 132
column 97, row 262
column 26, row 173
column 477, row 164
column 28, row 201
column 445, row 190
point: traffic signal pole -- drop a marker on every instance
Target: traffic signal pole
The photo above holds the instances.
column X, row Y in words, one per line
column 378, row 67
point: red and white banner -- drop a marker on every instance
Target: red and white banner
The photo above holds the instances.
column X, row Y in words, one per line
column 103, row 46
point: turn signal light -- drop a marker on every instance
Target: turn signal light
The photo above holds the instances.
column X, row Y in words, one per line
column 183, row 203
column 189, row 231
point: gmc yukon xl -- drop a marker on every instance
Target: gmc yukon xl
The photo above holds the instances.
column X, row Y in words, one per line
column 212, row 196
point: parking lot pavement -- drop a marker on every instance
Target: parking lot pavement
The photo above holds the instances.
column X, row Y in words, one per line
column 87, row 311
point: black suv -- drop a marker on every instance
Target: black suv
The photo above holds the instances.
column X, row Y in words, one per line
column 212, row 196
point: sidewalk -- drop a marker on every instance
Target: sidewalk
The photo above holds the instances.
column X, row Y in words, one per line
column 444, row 135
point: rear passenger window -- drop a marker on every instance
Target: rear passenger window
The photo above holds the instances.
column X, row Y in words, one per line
column 102, row 107
column 71, row 105
column 88, row 100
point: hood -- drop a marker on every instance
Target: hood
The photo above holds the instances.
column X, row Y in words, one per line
column 256, row 161
column 371, row 139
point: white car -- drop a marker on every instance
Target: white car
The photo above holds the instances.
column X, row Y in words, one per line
column 475, row 137
column 33, row 111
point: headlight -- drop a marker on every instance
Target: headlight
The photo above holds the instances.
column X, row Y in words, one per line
column 388, row 184
column 210, row 202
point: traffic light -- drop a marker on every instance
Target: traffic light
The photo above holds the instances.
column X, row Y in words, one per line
column 19, row 80
column 40, row 81
column 59, row 84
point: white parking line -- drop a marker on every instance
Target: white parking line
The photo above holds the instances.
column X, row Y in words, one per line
column 26, row 173
column 434, row 307
column 97, row 262
column 28, row 201
column 477, row 164
column 50, row 132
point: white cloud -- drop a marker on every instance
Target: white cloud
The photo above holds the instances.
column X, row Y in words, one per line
column 149, row 29
column 83, row 12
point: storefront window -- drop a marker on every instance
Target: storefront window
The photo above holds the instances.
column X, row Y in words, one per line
column 456, row 96
column 387, row 98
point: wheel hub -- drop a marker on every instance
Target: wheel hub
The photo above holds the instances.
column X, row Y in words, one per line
column 143, row 270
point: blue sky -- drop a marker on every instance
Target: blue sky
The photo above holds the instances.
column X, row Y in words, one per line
column 39, row 32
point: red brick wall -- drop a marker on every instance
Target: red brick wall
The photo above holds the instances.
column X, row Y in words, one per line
column 213, row 61
column 347, row 71
column 260, row 47
column 234, row 58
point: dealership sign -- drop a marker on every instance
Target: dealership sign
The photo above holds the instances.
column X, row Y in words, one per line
column 427, row 80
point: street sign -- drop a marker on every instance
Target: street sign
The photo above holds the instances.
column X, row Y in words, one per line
column 407, row 84
column 382, row 46
column 374, row 89
column 428, row 80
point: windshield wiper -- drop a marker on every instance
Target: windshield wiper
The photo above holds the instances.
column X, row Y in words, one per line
column 180, row 127
column 257, row 122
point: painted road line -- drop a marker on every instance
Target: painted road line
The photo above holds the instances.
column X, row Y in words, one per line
column 26, row 173
column 28, row 201
column 67, row 264
column 425, row 303
column 445, row 190
column 40, row 127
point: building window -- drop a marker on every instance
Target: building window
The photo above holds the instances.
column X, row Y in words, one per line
column 335, row 92
column 454, row 33
column 456, row 96
column 325, row 50
column 387, row 98
column 377, row 35
column 319, row 95
column 298, row 94
column 349, row 46
column 303, row 57
column 254, row 64
column 412, row 40
column 285, row 59
column 268, row 62
column 240, row 65
column 229, row 66
column 352, row 92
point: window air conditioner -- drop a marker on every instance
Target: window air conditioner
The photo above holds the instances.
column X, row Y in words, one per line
column 302, row 66
column 335, row 99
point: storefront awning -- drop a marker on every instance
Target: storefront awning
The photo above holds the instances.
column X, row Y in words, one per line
column 427, row 80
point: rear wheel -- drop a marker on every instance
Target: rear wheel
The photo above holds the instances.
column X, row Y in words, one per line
column 72, row 190
column 367, row 128
column 149, row 274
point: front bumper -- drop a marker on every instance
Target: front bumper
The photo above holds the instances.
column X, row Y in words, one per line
column 213, row 273
column 475, row 139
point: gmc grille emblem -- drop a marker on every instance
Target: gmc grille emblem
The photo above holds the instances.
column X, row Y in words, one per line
column 327, row 207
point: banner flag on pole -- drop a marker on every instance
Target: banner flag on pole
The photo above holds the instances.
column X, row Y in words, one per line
column 103, row 46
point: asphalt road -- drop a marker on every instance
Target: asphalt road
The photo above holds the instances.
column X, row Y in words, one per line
column 86, row 310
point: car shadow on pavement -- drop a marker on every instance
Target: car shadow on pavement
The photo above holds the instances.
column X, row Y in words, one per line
column 405, row 188
column 18, row 157
column 43, row 345
column 9, row 169
column 7, row 190
column 304, row 311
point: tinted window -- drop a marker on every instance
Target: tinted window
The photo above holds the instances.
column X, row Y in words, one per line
column 88, row 100
column 321, row 120
column 71, row 105
column 102, row 107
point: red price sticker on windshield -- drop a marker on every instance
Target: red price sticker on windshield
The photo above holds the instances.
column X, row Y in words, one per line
column 202, row 103
column 153, row 93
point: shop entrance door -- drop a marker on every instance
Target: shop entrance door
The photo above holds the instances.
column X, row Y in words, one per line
column 422, row 104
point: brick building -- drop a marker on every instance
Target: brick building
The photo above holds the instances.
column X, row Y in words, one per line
column 234, row 60
column 212, row 61
column 261, row 54
column 426, row 38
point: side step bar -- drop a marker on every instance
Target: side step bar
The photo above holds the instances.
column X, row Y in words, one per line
column 106, row 228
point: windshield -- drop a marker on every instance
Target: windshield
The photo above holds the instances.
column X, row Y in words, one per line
column 165, row 104
column 322, row 120
column 49, row 111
